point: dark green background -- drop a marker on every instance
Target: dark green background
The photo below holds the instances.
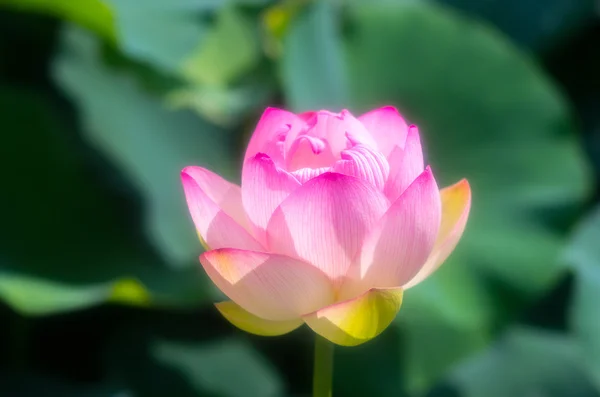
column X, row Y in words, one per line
column 103, row 102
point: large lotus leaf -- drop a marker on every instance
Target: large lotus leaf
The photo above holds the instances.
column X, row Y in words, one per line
column 149, row 142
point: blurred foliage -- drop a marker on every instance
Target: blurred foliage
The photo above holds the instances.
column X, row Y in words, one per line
column 103, row 102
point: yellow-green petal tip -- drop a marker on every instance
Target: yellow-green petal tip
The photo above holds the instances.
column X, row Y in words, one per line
column 255, row 325
column 356, row 321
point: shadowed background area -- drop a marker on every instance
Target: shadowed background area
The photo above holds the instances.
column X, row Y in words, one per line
column 103, row 102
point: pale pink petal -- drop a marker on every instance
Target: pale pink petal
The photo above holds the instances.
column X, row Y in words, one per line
column 223, row 193
column 400, row 243
column 264, row 187
column 364, row 163
column 304, row 175
column 272, row 287
column 335, row 131
column 271, row 132
column 216, row 227
column 405, row 165
column 387, row 128
column 325, row 221
column 309, row 152
column 456, row 204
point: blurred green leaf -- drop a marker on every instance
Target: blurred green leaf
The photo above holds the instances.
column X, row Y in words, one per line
column 525, row 362
column 583, row 254
column 486, row 113
column 95, row 15
column 220, row 105
column 176, row 40
column 168, row 355
column 149, row 142
column 229, row 50
column 312, row 64
column 163, row 35
column 212, row 367
column 223, row 81
column 34, row 296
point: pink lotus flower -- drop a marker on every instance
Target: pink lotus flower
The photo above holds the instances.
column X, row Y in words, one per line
column 335, row 217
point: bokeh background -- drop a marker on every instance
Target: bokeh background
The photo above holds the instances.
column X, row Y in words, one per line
column 103, row 102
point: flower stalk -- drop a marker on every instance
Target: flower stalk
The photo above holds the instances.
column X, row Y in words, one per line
column 323, row 369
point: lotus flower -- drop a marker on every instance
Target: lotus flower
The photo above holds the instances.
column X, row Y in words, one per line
column 336, row 216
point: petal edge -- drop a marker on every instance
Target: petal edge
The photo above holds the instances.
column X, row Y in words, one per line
column 214, row 226
column 387, row 127
column 456, row 205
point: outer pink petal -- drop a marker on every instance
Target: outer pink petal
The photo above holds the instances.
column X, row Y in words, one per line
column 264, row 187
column 456, row 204
column 272, row 287
column 399, row 245
column 271, row 132
column 223, row 193
column 405, row 165
column 216, row 226
column 325, row 221
column 364, row 163
column 387, row 127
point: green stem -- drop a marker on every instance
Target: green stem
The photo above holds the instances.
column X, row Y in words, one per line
column 323, row 370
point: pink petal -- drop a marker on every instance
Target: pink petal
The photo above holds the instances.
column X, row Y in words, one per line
column 272, row 287
column 456, row 204
column 304, row 175
column 364, row 163
column 223, row 193
column 264, row 187
column 387, row 128
column 399, row 245
column 325, row 221
column 309, row 152
column 405, row 165
column 271, row 132
column 216, row 209
column 337, row 130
